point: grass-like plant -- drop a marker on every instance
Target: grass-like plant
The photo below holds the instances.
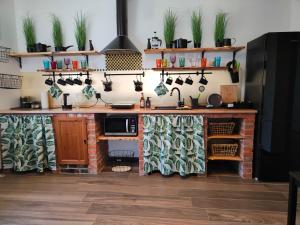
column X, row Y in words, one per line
column 170, row 20
column 57, row 32
column 80, row 30
column 196, row 21
column 29, row 31
column 220, row 26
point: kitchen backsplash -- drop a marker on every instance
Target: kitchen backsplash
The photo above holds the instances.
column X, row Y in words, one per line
column 123, row 88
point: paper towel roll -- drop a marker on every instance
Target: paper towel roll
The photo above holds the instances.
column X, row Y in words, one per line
column 44, row 100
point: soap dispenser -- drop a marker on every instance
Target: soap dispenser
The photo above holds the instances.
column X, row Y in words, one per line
column 148, row 103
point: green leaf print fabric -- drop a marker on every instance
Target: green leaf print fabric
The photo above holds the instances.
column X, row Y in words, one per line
column 27, row 143
column 174, row 143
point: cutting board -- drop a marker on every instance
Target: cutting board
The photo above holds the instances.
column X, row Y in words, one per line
column 229, row 93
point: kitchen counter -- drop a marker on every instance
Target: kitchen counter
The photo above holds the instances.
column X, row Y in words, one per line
column 136, row 110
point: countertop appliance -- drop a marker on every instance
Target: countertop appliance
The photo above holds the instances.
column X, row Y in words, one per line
column 120, row 125
column 273, row 86
column 122, row 106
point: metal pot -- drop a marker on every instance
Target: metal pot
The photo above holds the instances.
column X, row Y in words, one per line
column 62, row 48
column 181, row 43
column 39, row 47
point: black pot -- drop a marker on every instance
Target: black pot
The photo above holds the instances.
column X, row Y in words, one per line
column 197, row 45
column 181, row 43
column 169, row 45
column 39, row 47
column 219, row 43
column 31, row 48
column 81, row 49
column 62, row 49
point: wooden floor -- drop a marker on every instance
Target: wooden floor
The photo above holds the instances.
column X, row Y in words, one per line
column 121, row 199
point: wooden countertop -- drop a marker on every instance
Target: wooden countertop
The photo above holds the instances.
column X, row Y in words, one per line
column 102, row 109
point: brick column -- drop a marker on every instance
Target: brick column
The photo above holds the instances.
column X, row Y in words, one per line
column 247, row 130
column 141, row 144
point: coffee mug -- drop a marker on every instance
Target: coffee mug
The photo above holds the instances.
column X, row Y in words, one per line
column 158, row 63
column 189, row 80
column 53, row 65
column 203, row 62
column 75, row 64
column 161, row 89
column 169, row 80
column 69, row 81
column 228, row 42
column 203, row 80
column 179, row 81
column 59, row 64
column 49, row 81
column 61, row 81
column 182, row 61
column 46, row 64
column 77, row 81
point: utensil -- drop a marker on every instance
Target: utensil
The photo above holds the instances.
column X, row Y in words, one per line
column 181, row 43
column 67, row 62
column 179, row 81
column 155, row 41
column 62, row 48
column 228, row 42
column 189, row 80
column 39, row 47
column 214, row 100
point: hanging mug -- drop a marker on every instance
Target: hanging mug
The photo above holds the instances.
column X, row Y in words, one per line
column 138, row 85
column 189, row 80
column 203, row 80
column 179, row 81
column 107, row 85
column 169, row 80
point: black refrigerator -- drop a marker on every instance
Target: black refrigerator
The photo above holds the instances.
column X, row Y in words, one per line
column 273, row 86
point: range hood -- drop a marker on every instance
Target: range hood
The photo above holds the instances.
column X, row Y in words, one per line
column 121, row 44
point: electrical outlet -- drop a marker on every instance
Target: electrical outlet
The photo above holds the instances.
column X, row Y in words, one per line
column 98, row 95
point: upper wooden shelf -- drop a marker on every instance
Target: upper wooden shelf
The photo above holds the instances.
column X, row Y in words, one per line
column 49, row 54
column 193, row 50
column 188, row 68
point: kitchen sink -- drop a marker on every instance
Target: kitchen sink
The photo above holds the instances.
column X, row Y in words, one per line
column 170, row 108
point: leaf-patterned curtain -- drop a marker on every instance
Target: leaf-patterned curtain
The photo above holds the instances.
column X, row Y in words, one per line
column 27, row 143
column 174, row 143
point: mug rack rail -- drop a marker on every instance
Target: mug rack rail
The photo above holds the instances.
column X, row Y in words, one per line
column 124, row 74
column 53, row 75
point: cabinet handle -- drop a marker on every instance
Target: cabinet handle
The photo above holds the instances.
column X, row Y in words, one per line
column 84, row 141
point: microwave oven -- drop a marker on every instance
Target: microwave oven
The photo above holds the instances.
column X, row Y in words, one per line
column 120, row 125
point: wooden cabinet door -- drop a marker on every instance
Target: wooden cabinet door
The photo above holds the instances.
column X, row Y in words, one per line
column 71, row 140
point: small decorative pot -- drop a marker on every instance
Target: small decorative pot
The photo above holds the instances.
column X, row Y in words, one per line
column 170, row 45
column 219, row 43
column 197, row 45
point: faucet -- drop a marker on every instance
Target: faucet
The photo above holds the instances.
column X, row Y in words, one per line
column 180, row 103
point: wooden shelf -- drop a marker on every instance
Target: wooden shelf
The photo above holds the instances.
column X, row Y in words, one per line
column 66, row 70
column 49, row 54
column 120, row 138
column 193, row 50
column 189, row 68
column 233, row 136
column 226, row 158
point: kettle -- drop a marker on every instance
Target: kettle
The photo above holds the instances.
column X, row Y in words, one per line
column 155, row 41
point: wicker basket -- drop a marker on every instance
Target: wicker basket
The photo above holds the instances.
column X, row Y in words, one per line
column 224, row 149
column 221, row 128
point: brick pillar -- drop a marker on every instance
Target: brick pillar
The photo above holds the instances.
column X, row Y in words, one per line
column 247, row 130
column 141, row 144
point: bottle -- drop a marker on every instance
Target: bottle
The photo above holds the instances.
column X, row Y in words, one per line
column 142, row 101
column 148, row 103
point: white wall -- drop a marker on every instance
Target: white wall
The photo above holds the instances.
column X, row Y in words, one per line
column 247, row 20
column 294, row 16
column 8, row 98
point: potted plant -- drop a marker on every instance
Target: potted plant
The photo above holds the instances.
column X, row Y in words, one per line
column 170, row 19
column 29, row 33
column 57, row 33
column 80, row 31
column 220, row 28
column 196, row 21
